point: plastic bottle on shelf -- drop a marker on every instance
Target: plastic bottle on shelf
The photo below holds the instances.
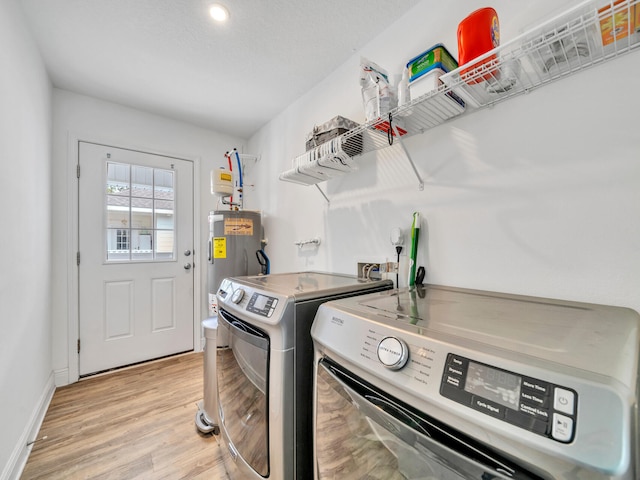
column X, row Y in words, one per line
column 404, row 94
column 478, row 33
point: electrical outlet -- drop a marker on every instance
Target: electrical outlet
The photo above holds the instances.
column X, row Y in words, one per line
column 369, row 270
column 391, row 267
column 375, row 270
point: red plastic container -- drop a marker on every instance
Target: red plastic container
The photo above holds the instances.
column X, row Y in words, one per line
column 477, row 34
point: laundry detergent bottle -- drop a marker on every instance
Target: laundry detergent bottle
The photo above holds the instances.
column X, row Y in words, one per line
column 478, row 33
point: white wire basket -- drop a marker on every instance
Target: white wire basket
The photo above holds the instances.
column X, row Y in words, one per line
column 588, row 34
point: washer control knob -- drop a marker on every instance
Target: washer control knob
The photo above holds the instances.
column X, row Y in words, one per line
column 393, row 353
column 237, row 296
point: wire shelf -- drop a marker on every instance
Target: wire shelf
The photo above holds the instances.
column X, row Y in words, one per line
column 588, row 34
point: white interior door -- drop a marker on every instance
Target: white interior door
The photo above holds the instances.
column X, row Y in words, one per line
column 136, row 281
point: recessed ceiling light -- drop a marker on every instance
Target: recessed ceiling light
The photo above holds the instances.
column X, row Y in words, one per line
column 219, row 12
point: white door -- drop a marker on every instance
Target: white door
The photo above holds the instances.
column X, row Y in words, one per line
column 135, row 253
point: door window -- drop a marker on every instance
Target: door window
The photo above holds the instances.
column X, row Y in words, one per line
column 140, row 212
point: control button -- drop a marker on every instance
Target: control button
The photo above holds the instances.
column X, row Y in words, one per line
column 564, row 400
column 393, row 353
column 537, row 412
column 456, row 371
column 533, row 398
column 527, row 422
column 457, row 362
column 455, row 394
column 541, row 388
column 237, row 296
column 453, row 380
column 562, row 429
column 488, row 407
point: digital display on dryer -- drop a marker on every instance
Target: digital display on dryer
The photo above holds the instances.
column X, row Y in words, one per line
column 493, row 384
column 262, row 304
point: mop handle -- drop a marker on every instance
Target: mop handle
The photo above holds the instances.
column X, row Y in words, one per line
column 415, row 234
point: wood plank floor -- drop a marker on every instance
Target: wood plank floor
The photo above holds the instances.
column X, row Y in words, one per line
column 135, row 423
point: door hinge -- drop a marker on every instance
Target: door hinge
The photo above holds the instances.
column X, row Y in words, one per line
column 78, row 170
column 78, row 258
column 78, row 345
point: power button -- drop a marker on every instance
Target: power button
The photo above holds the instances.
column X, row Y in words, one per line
column 564, row 400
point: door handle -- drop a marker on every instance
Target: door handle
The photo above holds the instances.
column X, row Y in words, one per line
column 187, row 266
column 187, row 253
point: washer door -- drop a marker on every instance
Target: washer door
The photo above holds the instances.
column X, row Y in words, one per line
column 242, row 373
column 362, row 432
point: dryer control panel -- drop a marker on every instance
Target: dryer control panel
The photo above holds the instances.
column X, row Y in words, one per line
column 262, row 304
column 535, row 405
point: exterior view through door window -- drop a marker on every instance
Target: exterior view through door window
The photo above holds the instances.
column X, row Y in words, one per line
column 140, row 213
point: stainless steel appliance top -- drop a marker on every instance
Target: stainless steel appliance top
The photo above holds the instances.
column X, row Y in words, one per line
column 308, row 285
column 267, row 300
column 595, row 338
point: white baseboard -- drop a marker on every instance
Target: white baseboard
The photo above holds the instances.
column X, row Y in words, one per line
column 13, row 469
column 61, row 377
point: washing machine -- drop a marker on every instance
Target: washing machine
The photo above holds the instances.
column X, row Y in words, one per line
column 265, row 368
column 445, row 383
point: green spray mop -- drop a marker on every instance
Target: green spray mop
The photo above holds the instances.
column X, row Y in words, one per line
column 415, row 233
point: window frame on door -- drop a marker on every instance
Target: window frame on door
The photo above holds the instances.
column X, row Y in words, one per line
column 128, row 201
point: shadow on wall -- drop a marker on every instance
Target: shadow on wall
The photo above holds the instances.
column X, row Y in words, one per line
column 363, row 233
column 449, row 156
column 285, row 255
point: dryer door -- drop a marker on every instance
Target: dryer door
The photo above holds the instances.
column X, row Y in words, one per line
column 242, row 372
column 362, row 432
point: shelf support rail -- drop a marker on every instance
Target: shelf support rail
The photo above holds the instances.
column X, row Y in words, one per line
column 406, row 153
column 321, row 192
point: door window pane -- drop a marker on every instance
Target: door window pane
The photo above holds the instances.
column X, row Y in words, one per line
column 118, row 179
column 117, row 211
column 141, row 244
column 164, row 244
column 142, row 181
column 140, row 223
column 164, row 214
column 163, row 184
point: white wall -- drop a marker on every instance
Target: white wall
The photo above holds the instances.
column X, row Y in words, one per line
column 538, row 195
column 25, row 244
column 80, row 117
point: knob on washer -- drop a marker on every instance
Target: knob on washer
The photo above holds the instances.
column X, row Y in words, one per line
column 393, row 353
column 237, row 296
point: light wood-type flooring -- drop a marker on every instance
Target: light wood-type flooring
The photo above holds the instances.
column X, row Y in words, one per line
column 134, row 423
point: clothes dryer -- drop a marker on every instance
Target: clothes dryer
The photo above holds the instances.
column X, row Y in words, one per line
column 265, row 368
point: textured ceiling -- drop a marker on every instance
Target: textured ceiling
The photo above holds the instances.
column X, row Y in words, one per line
column 168, row 57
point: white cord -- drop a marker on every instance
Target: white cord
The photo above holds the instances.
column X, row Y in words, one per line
column 368, row 276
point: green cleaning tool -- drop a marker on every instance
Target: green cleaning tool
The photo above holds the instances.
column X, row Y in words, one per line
column 415, row 233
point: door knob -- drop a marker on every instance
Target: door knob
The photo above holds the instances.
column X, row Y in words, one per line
column 187, row 253
column 187, row 266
